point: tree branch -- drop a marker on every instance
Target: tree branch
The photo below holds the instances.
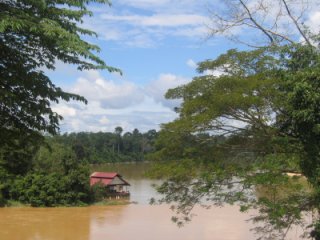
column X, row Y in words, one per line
column 296, row 23
column 256, row 23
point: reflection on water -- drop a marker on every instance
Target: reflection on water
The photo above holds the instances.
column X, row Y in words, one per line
column 130, row 222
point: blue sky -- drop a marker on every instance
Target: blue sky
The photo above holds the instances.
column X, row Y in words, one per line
column 156, row 43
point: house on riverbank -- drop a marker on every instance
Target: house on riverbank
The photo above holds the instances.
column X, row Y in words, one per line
column 114, row 183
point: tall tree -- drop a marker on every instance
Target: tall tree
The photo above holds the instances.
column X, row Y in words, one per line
column 118, row 131
column 239, row 133
column 35, row 35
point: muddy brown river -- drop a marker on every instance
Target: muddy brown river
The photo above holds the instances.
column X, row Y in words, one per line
column 138, row 221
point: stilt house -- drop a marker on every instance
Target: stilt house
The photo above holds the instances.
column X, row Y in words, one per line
column 115, row 185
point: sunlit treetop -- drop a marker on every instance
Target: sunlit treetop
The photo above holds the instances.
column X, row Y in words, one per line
column 34, row 35
column 42, row 32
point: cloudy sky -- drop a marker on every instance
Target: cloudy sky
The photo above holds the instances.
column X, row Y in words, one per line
column 157, row 44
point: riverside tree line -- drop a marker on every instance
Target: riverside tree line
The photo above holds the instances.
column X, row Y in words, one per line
column 35, row 169
column 106, row 147
column 57, row 173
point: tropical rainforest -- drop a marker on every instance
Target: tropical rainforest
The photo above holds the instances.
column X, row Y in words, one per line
column 57, row 172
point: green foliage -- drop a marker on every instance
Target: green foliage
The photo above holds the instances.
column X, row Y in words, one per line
column 33, row 36
column 243, row 93
column 57, row 178
column 54, row 189
column 104, row 147
column 16, row 158
column 55, row 157
column 2, row 198
column 303, row 109
column 98, row 192
column 57, row 172
column 241, row 132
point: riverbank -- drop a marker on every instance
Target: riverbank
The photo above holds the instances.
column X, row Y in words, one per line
column 112, row 202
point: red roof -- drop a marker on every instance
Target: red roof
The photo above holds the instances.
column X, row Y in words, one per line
column 105, row 178
column 105, row 175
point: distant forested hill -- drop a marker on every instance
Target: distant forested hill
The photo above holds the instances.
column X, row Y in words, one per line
column 102, row 147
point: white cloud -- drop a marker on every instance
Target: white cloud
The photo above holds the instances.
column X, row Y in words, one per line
column 128, row 119
column 75, row 125
column 128, row 28
column 108, row 93
column 314, row 22
column 197, row 32
column 64, row 110
column 190, row 19
column 145, row 3
column 112, row 104
column 166, row 5
column 158, row 20
column 160, row 86
column 111, row 34
column 104, row 120
column 192, row 63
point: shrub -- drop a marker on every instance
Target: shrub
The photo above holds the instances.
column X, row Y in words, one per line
column 98, row 192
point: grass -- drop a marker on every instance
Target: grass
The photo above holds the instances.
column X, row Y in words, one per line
column 12, row 203
column 112, row 202
column 106, row 202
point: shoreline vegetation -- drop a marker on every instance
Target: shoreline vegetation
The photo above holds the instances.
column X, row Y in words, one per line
column 106, row 202
column 57, row 172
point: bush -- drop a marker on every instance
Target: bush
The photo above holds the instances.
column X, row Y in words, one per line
column 98, row 192
column 54, row 189
column 2, row 200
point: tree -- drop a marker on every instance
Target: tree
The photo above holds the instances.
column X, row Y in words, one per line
column 238, row 134
column 118, row 131
column 34, row 35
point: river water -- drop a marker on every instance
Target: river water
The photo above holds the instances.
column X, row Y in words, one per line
column 138, row 221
